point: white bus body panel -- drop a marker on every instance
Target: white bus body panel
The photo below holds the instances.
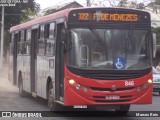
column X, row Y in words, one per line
column 26, row 74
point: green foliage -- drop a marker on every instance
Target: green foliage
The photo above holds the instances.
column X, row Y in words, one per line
column 28, row 14
column 122, row 3
column 157, row 2
column 15, row 14
column 50, row 11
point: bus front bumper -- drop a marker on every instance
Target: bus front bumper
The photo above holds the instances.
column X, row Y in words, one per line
column 79, row 97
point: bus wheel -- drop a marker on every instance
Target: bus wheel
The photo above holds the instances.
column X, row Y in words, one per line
column 22, row 93
column 123, row 110
column 51, row 104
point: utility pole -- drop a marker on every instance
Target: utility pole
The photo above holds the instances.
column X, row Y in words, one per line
column 2, row 38
column 88, row 3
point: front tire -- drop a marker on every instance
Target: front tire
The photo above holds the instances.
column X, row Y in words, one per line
column 51, row 100
column 123, row 110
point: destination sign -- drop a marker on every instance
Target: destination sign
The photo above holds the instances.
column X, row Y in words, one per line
column 107, row 17
column 110, row 15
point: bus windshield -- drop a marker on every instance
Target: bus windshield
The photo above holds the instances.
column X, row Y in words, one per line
column 108, row 49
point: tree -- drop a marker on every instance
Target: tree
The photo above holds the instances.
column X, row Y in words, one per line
column 50, row 11
column 29, row 14
column 127, row 3
column 115, row 3
column 140, row 6
column 157, row 5
column 15, row 14
column 157, row 2
column 122, row 3
column 133, row 4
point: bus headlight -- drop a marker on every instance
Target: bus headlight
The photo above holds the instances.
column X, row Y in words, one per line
column 77, row 86
column 71, row 81
column 150, row 81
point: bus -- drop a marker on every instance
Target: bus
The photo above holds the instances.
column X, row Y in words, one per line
column 82, row 57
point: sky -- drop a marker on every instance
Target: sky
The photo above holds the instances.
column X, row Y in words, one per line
column 48, row 3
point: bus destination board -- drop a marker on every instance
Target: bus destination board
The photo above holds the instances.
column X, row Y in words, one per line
column 108, row 16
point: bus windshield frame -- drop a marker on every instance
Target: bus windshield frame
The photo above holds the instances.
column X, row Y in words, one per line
column 109, row 49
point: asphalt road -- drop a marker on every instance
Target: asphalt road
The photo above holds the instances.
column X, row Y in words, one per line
column 11, row 101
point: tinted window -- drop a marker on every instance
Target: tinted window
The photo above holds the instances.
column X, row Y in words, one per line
column 52, row 30
column 27, row 47
column 50, row 47
column 46, row 32
column 41, row 47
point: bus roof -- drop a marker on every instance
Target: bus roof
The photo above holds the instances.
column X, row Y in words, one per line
column 63, row 13
column 42, row 19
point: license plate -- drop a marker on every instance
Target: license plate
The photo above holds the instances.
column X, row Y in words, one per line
column 112, row 97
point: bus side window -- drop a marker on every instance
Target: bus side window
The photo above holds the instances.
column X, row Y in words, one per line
column 41, row 47
column 50, row 43
column 27, row 39
column 21, row 42
column 50, row 47
column 41, row 31
column 46, row 30
column 41, row 40
column 52, row 30
column 16, row 37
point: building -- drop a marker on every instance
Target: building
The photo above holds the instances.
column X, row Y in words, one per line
column 59, row 7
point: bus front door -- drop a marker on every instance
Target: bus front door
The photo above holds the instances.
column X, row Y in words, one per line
column 59, row 65
column 16, row 36
column 33, row 63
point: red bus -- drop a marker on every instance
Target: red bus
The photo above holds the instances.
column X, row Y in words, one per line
column 84, row 57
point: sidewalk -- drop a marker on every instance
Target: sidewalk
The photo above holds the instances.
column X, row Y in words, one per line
column 6, row 86
column 4, row 72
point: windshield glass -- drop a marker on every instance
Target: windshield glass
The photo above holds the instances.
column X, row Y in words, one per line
column 108, row 49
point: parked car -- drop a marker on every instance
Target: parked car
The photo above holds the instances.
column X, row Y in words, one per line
column 156, row 80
